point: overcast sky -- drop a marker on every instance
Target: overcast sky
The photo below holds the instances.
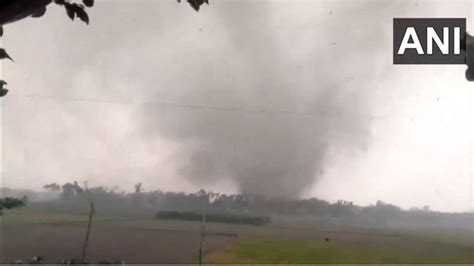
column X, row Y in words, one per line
column 293, row 98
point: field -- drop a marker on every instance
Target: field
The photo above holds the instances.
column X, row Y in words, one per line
column 57, row 237
column 362, row 250
column 132, row 240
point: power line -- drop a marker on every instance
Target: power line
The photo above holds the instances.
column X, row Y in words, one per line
column 200, row 106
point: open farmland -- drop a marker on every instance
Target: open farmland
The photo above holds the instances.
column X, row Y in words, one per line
column 343, row 248
column 57, row 237
column 133, row 241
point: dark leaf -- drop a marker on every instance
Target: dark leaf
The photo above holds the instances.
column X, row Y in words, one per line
column 81, row 13
column 194, row 4
column 70, row 10
column 470, row 73
column 3, row 92
column 60, row 2
column 39, row 12
column 88, row 3
column 4, row 55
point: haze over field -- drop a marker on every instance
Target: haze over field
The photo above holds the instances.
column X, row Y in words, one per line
column 280, row 98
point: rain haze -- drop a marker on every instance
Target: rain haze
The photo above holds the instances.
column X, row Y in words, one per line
column 286, row 99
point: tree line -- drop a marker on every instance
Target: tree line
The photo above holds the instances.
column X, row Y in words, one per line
column 74, row 197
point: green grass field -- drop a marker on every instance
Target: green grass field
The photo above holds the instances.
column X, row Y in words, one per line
column 254, row 250
column 275, row 243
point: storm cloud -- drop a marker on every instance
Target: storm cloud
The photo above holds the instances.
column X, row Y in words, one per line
column 268, row 116
column 277, row 98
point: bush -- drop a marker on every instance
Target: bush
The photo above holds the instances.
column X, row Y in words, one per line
column 214, row 217
column 11, row 203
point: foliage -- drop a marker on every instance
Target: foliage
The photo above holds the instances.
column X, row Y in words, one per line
column 214, row 217
column 14, row 10
column 196, row 4
column 52, row 187
column 71, row 190
column 470, row 57
column 12, row 203
column 113, row 201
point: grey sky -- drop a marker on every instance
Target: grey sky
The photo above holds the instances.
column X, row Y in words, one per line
column 153, row 92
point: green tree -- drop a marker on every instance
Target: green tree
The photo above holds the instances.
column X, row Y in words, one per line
column 9, row 203
column 52, row 187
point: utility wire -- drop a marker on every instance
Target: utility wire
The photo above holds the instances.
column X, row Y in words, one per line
column 199, row 106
